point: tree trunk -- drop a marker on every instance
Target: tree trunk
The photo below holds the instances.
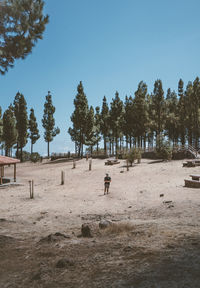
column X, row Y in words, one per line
column 21, row 156
column 48, row 149
column 31, row 147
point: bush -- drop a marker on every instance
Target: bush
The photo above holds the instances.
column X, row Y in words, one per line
column 165, row 150
column 35, row 157
column 25, row 155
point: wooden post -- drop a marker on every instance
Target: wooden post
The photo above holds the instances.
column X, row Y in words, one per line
column 32, row 189
column 87, row 157
column 3, row 171
column 15, row 172
column 90, row 165
column 1, row 181
column 74, row 164
column 127, row 167
column 62, row 177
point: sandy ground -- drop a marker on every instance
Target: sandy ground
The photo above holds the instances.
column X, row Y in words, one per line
column 161, row 248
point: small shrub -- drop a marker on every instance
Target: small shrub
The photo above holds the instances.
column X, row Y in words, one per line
column 163, row 149
column 119, row 228
column 35, row 157
column 25, row 155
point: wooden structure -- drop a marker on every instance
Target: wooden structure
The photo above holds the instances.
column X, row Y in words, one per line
column 191, row 163
column 194, row 183
column 112, row 162
column 4, row 161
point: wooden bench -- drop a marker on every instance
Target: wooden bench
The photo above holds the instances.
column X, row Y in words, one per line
column 192, row 183
column 195, row 177
column 189, row 163
column 112, row 162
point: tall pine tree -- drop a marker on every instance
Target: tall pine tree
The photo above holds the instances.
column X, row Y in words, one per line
column 9, row 130
column 48, row 121
column 104, row 122
column 22, row 125
column 79, row 119
column 33, row 129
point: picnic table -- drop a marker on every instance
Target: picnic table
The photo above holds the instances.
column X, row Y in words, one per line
column 195, row 177
column 112, row 162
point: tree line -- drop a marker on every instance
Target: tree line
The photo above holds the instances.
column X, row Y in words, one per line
column 16, row 126
column 141, row 121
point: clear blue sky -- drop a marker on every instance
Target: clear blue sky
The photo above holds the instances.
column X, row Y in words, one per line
column 110, row 45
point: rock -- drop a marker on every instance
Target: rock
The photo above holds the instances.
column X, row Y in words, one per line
column 161, row 195
column 85, row 230
column 129, row 206
column 127, row 249
column 167, row 202
column 54, row 237
column 105, row 224
column 170, row 206
column 64, row 263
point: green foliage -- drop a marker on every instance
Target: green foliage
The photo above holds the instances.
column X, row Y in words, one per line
column 22, row 25
column 48, row 121
column 164, row 150
column 26, row 156
column 104, row 121
column 20, row 110
column 133, row 155
column 79, row 119
column 9, row 129
column 1, row 125
column 35, row 157
column 33, row 128
column 116, row 118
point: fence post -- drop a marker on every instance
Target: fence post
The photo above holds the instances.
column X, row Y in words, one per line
column 74, row 164
column 62, row 177
column 90, row 165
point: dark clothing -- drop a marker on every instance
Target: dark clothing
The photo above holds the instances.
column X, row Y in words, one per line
column 107, row 180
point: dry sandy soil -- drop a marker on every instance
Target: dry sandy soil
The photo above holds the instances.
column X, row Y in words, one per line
column 154, row 241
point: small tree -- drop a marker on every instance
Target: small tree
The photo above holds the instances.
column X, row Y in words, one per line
column 33, row 128
column 21, row 121
column 164, row 150
column 48, row 121
column 9, row 130
column 79, row 119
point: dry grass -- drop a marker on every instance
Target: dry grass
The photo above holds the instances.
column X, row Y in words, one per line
column 119, row 228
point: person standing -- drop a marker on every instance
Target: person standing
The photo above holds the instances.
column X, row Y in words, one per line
column 107, row 181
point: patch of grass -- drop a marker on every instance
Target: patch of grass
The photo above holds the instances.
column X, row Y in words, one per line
column 119, row 228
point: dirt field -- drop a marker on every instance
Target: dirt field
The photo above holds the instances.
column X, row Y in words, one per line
column 154, row 241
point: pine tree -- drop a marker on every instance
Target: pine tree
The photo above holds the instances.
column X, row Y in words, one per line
column 171, row 125
column 21, row 123
column 116, row 118
column 189, row 123
column 128, row 120
column 79, row 119
column 22, row 25
column 33, row 128
column 1, row 125
column 90, row 138
column 158, row 107
column 141, row 113
column 181, row 112
column 104, row 122
column 9, row 130
column 48, row 121
column 195, row 105
column 97, row 123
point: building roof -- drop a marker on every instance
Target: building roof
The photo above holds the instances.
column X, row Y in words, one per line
column 4, row 160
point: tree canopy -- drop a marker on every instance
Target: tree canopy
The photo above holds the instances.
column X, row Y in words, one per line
column 22, row 24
